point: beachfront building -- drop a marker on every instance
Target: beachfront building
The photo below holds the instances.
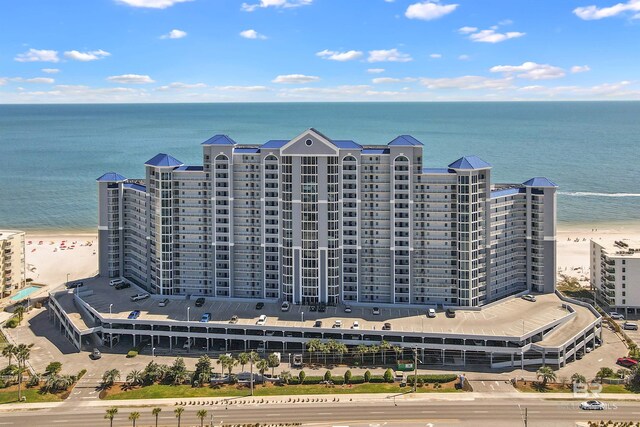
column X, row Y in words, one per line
column 12, row 266
column 314, row 220
column 615, row 273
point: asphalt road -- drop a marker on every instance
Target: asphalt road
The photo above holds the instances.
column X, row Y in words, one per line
column 477, row 413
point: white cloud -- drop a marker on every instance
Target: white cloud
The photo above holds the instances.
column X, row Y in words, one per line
column 466, row 83
column 590, row 13
column 252, row 34
column 339, row 56
column 580, row 69
column 429, row 10
column 284, row 4
column 3, row 81
column 435, row 56
column 467, row 30
column 174, row 34
column 151, row 4
column 295, row 79
column 181, row 86
column 389, row 55
column 530, row 70
column 242, row 88
column 130, row 79
column 37, row 80
column 385, row 80
column 50, row 70
column 375, row 70
column 92, row 55
column 464, row 57
column 492, row 36
column 35, row 55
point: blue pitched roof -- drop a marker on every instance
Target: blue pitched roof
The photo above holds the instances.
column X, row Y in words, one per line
column 219, row 140
column 405, row 140
column 375, row 151
column 539, row 181
column 240, row 150
column 274, row 143
column 135, row 187
column 163, row 160
column 469, row 162
column 111, row 177
column 190, row 168
column 346, row 144
column 507, row 192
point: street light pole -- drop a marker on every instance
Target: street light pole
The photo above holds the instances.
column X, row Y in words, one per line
column 110, row 305
column 153, row 352
column 188, row 309
column 302, row 316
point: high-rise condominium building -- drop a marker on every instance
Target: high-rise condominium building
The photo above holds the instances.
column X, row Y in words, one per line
column 314, row 220
column 12, row 267
column 615, row 273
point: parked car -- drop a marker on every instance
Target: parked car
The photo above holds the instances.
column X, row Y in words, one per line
column 356, row 325
column 285, row 306
column 95, row 354
column 134, row 314
column 588, row 349
column 451, row 312
column 75, row 285
column 313, row 308
column 163, row 303
column 259, row 306
column 630, row 326
column 529, row 298
column 123, row 285
column 297, row 361
column 114, row 282
column 262, row 320
column 200, row 302
column 317, row 324
column 627, row 362
column 322, row 308
column 579, row 354
column 205, row 317
column 431, row 313
column 139, row 297
column 234, row 319
column 337, row 324
column 347, row 309
column 375, row 311
column 592, row 405
column 386, row 326
column 616, row 316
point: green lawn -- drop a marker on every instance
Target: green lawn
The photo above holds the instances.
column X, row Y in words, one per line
column 166, row 391
column 557, row 388
column 32, row 395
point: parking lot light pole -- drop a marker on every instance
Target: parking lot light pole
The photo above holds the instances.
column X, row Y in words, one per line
column 110, row 305
column 153, row 352
column 188, row 308
column 302, row 316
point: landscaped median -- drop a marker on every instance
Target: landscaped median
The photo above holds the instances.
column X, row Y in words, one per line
column 311, row 385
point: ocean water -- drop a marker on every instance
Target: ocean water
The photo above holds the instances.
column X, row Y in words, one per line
column 50, row 155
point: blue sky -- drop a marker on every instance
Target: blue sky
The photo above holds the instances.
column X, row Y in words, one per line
column 318, row 50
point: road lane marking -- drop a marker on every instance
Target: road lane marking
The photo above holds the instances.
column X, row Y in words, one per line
column 480, row 412
column 379, row 412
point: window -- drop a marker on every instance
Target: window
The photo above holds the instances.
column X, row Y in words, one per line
column 308, row 142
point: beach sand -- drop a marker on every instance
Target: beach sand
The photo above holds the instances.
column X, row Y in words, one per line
column 52, row 263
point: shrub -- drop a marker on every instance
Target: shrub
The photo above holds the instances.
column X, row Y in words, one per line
column 12, row 323
column 53, row 368
column 420, row 382
column 81, row 374
column 301, row 377
column 367, row 376
column 34, row 380
column 132, row 353
column 388, row 376
column 347, row 377
column 327, row 376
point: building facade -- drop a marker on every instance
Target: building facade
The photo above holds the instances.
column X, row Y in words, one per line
column 12, row 264
column 314, row 220
column 615, row 273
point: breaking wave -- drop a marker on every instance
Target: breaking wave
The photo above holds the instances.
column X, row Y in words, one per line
column 589, row 194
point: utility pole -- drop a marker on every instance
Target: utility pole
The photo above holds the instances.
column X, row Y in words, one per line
column 251, row 380
column 525, row 417
column 415, row 369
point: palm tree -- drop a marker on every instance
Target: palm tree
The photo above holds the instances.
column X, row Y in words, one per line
column 111, row 414
column 578, row 378
column 243, row 359
column 178, row 411
column 341, row 349
column 604, row 373
column 253, row 358
column 273, row 361
column 202, row 414
column 362, row 349
column 135, row 378
column 109, row 377
column 156, row 412
column 374, row 349
column 398, row 351
column 331, row 347
column 19, row 311
column 546, row 373
column 313, row 345
column 384, row 346
column 262, row 367
column 325, row 348
column 23, row 352
column 133, row 417
column 9, row 351
column 224, row 361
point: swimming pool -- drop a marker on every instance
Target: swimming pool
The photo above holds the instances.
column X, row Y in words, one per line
column 23, row 293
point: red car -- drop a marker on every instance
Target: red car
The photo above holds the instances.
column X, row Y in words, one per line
column 627, row 362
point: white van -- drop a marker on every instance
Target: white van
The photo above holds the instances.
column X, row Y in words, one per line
column 114, row 282
column 262, row 320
